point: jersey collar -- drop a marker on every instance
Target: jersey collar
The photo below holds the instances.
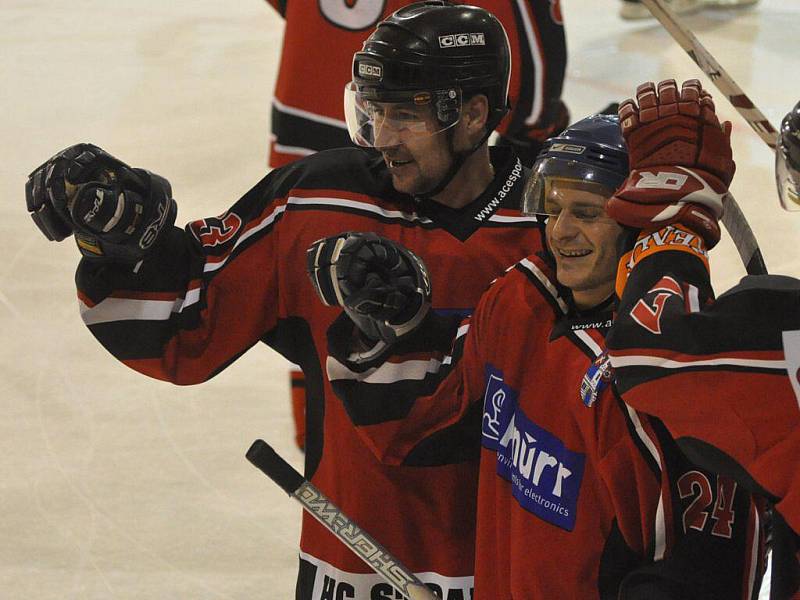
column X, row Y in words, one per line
column 505, row 191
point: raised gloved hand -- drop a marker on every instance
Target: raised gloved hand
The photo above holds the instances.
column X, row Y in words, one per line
column 116, row 212
column 383, row 287
column 680, row 159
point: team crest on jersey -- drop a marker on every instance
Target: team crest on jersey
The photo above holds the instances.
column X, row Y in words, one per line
column 544, row 474
column 215, row 231
column 648, row 314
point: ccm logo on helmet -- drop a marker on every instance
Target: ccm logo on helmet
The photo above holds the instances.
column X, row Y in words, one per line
column 367, row 70
column 462, row 39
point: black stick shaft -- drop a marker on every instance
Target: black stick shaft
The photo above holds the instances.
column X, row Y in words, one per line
column 339, row 524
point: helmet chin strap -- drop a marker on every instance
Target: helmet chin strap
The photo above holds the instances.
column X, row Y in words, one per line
column 459, row 158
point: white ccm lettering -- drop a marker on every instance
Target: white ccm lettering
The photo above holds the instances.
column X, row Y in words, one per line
column 457, row 40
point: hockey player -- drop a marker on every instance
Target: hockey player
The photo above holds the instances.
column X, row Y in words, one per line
column 722, row 374
column 181, row 305
column 321, row 37
column 318, row 45
column 579, row 496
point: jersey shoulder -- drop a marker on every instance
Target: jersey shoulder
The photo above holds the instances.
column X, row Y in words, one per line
column 352, row 170
column 527, row 290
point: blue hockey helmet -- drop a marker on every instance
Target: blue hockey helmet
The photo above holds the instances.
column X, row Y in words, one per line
column 591, row 152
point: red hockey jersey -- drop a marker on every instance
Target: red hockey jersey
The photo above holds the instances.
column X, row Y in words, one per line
column 321, row 37
column 575, row 499
column 214, row 290
column 722, row 374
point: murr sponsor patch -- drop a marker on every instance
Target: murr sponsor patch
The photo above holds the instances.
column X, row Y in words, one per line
column 545, row 475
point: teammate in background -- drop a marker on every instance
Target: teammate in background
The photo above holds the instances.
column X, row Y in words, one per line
column 579, row 496
column 321, row 37
column 721, row 374
column 634, row 9
column 319, row 41
column 181, row 305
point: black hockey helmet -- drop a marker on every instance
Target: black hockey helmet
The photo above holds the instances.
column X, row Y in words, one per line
column 591, row 152
column 429, row 53
column 787, row 160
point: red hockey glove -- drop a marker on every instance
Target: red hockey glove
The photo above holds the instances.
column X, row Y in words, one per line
column 680, row 159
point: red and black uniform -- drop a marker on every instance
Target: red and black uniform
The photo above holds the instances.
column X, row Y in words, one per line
column 215, row 289
column 575, row 499
column 721, row 374
column 321, row 37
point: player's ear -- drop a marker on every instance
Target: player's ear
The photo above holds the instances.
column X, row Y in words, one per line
column 475, row 114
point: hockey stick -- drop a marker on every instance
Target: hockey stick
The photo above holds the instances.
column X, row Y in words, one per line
column 733, row 218
column 718, row 76
column 326, row 512
column 743, row 237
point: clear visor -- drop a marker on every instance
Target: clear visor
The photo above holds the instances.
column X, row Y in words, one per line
column 556, row 186
column 388, row 122
column 787, row 179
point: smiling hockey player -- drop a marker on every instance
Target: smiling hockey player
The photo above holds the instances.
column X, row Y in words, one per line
column 579, row 495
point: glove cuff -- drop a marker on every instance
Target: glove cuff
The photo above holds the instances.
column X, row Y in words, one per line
column 672, row 238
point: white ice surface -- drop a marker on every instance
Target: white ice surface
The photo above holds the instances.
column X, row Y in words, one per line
column 115, row 486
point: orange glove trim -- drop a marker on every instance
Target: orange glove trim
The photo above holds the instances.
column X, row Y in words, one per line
column 672, row 238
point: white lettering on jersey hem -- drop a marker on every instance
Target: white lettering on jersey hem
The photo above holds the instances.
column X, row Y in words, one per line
column 363, row 583
column 409, row 370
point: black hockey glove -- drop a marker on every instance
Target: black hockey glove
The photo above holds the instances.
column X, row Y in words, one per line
column 383, row 287
column 116, row 212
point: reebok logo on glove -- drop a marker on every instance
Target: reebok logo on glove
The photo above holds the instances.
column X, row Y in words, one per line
column 662, row 180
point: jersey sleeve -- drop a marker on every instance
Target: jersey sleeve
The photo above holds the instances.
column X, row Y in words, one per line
column 420, row 406
column 538, row 46
column 186, row 311
column 698, row 533
column 721, row 374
